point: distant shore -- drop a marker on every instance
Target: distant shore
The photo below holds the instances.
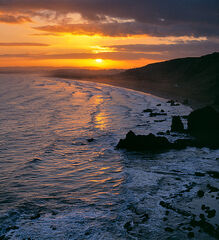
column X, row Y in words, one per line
column 192, row 80
column 154, row 89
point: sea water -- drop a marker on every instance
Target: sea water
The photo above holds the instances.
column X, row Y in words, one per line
column 61, row 176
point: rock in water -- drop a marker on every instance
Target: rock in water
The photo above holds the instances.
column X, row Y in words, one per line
column 148, row 110
column 204, row 125
column 144, row 142
column 177, row 125
column 153, row 143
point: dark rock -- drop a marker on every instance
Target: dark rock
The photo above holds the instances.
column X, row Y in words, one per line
column 202, row 216
column 211, row 213
column 162, row 110
column 90, row 140
column 213, row 174
column 207, row 208
column 3, row 237
column 172, row 103
column 204, row 125
column 11, row 228
column 144, row 142
column 165, row 219
column 35, row 160
column 183, row 143
column 148, row 110
column 145, row 217
column 169, row 206
column 168, row 229
column 53, row 228
column 128, row 226
column 157, row 114
column 151, row 142
column 199, row 174
column 87, row 233
column 191, row 235
column 177, row 125
column 212, row 188
column 162, row 120
column 174, row 135
column 203, row 207
column 35, row 216
column 160, row 133
column 206, row 227
column 159, row 105
column 200, row 193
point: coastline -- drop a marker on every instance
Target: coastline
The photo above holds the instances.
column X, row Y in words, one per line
column 153, row 89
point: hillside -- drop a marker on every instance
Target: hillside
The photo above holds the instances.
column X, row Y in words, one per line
column 194, row 78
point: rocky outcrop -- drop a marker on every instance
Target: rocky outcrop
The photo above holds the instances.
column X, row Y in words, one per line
column 144, row 142
column 151, row 142
column 177, row 125
column 204, row 125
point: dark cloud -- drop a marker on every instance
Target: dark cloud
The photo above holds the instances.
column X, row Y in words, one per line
column 157, row 17
column 168, row 51
column 141, row 10
column 15, row 44
column 4, row 18
column 132, row 28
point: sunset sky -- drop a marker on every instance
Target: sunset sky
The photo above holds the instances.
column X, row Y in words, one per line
column 105, row 33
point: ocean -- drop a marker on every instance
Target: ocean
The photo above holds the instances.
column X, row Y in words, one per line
column 61, row 176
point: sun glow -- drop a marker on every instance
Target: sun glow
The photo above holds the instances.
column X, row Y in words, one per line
column 99, row 60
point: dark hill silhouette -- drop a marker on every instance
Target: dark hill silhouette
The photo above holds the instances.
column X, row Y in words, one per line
column 193, row 78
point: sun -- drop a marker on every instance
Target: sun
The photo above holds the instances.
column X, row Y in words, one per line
column 99, row 60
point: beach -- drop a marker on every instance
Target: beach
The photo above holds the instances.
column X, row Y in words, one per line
column 157, row 89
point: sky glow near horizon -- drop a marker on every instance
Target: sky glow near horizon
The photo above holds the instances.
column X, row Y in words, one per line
column 105, row 34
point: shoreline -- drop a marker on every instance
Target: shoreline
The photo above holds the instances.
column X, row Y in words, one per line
column 142, row 88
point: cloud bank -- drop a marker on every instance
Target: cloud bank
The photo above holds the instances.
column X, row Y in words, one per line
column 156, row 18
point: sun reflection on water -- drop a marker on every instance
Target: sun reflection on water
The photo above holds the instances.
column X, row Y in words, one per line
column 101, row 120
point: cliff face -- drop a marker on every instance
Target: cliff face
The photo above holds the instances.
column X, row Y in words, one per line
column 196, row 78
